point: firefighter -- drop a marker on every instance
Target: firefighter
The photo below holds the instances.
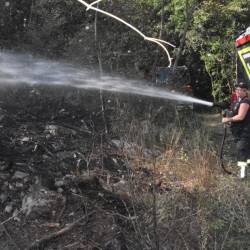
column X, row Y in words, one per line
column 240, row 126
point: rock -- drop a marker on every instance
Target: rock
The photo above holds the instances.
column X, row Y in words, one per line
column 59, row 183
column 19, row 185
column 4, row 176
column 3, row 198
column 41, row 203
column 8, row 209
column 25, row 139
column 51, row 129
column 3, row 166
column 20, row 175
column 60, row 190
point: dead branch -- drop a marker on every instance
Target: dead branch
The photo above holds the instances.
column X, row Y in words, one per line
column 9, row 236
column 12, row 217
column 46, row 239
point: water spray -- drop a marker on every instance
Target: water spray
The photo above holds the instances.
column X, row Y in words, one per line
column 151, row 39
column 18, row 68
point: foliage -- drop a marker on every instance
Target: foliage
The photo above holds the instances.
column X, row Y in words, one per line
column 65, row 29
column 213, row 33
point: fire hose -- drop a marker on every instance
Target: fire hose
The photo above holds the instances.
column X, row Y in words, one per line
column 159, row 42
column 221, row 150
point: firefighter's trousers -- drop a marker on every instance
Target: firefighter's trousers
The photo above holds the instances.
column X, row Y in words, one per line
column 243, row 148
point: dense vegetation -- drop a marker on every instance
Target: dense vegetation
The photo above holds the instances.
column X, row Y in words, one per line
column 138, row 176
column 203, row 31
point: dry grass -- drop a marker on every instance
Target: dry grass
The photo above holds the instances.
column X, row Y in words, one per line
column 184, row 197
column 187, row 160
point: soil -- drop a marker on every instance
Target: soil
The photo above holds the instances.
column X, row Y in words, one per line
column 61, row 177
column 64, row 179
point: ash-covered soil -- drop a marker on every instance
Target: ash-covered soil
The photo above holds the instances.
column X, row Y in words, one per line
column 63, row 176
column 77, row 171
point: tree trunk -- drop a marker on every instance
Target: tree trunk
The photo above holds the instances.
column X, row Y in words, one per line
column 160, row 34
column 189, row 18
column 99, row 57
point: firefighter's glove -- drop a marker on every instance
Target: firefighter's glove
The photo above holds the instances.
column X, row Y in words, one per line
column 226, row 119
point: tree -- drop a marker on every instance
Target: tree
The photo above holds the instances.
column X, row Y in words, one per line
column 215, row 28
column 203, row 30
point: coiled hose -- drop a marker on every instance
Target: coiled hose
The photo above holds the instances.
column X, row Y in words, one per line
column 221, row 150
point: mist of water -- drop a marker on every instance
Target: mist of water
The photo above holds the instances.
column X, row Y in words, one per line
column 19, row 68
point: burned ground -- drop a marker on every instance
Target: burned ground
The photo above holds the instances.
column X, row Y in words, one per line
column 75, row 177
column 54, row 159
column 62, row 170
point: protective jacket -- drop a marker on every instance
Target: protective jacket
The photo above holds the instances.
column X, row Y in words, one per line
column 241, row 128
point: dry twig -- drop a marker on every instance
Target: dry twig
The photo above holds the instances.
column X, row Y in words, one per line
column 9, row 236
column 46, row 239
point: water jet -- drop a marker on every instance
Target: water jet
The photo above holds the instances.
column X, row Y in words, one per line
column 20, row 68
